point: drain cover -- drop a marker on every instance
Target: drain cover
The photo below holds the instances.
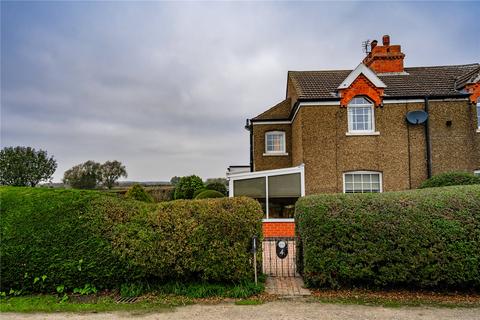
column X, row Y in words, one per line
column 126, row 299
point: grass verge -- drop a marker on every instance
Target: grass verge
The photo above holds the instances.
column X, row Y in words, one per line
column 51, row 303
column 396, row 299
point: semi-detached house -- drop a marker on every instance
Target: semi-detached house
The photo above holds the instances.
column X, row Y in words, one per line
column 380, row 127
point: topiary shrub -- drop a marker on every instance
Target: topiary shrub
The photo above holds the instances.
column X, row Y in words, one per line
column 217, row 186
column 196, row 193
column 137, row 192
column 427, row 239
column 206, row 194
column 186, row 187
column 450, row 179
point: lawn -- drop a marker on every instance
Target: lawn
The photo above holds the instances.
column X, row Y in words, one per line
column 51, row 303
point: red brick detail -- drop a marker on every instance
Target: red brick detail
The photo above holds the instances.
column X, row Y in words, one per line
column 474, row 90
column 385, row 58
column 278, row 229
column 361, row 87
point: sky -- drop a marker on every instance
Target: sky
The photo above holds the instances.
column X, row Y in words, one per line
column 166, row 87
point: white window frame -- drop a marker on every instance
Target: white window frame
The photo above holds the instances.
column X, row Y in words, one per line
column 265, row 174
column 380, row 174
column 351, row 106
column 476, row 172
column 280, row 152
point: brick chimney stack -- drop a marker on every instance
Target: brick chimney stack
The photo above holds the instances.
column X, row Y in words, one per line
column 385, row 58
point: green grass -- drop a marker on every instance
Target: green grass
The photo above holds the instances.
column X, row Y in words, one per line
column 50, row 303
column 248, row 302
column 154, row 298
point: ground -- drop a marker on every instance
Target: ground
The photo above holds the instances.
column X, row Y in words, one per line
column 279, row 309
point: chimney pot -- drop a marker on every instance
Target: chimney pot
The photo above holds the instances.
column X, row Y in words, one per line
column 373, row 44
column 386, row 40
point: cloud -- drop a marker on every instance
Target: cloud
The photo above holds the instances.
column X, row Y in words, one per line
column 166, row 87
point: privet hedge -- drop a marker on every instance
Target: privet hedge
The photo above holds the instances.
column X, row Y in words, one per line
column 77, row 237
column 427, row 239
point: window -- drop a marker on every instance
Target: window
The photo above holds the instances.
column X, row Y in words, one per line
column 477, row 173
column 362, row 182
column 275, row 142
column 360, row 116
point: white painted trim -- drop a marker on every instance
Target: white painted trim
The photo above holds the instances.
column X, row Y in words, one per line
column 403, row 101
column 275, row 154
column 363, row 172
column 478, row 130
column 272, row 122
column 284, row 149
column 366, row 133
column 279, row 220
column 337, row 103
column 367, row 72
column 274, row 172
column 476, row 172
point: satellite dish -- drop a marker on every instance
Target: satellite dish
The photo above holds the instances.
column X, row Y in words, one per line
column 417, row 117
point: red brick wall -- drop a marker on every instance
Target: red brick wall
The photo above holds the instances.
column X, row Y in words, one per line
column 361, row 87
column 474, row 90
column 278, row 229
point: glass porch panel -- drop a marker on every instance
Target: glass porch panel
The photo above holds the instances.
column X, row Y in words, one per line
column 284, row 186
column 254, row 188
column 283, row 192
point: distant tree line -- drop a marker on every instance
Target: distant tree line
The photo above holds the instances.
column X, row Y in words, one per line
column 91, row 174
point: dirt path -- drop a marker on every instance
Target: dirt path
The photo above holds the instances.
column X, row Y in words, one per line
column 285, row 309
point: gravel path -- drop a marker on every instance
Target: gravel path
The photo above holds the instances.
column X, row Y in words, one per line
column 277, row 310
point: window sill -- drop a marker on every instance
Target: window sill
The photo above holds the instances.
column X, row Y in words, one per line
column 375, row 133
column 478, row 130
column 275, row 154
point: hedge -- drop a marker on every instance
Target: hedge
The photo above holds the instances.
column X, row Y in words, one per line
column 76, row 237
column 419, row 239
column 450, row 179
column 207, row 194
column 137, row 192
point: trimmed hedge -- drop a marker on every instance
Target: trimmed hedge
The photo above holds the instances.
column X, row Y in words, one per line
column 207, row 194
column 76, row 237
column 450, row 179
column 427, row 239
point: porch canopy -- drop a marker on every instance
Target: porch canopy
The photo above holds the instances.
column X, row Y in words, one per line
column 276, row 190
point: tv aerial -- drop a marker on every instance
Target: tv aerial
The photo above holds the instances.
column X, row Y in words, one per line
column 366, row 46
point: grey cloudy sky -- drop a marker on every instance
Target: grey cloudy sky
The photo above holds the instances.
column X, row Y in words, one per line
column 166, row 87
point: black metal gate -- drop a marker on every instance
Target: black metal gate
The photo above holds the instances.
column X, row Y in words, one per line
column 278, row 258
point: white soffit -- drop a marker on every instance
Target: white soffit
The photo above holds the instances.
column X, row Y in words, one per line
column 367, row 72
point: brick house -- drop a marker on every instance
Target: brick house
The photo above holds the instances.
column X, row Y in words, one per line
column 347, row 131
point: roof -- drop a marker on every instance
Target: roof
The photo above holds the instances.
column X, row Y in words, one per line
column 416, row 81
column 279, row 111
column 413, row 82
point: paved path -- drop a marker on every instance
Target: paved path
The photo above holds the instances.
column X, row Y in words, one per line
column 286, row 286
column 285, row 309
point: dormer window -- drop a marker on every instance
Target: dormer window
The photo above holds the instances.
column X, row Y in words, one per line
column 275, row 143
column 361, row 117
